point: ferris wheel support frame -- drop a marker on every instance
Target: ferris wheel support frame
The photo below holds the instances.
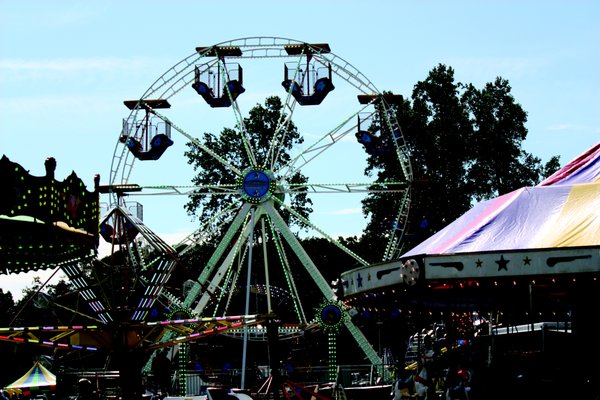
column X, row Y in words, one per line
column 182, row 74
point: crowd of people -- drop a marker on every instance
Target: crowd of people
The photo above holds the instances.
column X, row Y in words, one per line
column 425, row 380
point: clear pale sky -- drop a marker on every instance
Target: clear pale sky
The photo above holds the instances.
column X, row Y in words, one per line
column 67, row 66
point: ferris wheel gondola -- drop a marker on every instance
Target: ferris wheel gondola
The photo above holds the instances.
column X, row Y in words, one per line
column 152, row 137
column 218, row 82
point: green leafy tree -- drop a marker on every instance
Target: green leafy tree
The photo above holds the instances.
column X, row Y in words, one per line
column 7, row 305
column 465, row 145
column 381, row 207
column 7, row 350
column 438, row 134
column 499, row 164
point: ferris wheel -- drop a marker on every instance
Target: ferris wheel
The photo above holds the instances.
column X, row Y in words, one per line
column 343, row 120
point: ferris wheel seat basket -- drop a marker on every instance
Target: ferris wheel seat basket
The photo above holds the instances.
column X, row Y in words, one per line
column 110, row 236
column 158, row 145
column 296, row 88
column 321, row 88
column 202, row 89
column 123, row 233
column 364, row 137
column 234, row 87
column 374, row 144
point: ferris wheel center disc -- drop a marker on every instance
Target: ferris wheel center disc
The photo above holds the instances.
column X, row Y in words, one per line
column 256, row 184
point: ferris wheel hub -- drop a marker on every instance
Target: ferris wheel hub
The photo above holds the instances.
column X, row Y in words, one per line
column 257, row 185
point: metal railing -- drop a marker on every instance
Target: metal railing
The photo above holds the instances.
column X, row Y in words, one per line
column 347, row 376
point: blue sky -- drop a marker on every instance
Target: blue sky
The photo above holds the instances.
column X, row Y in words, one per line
column 67, row 66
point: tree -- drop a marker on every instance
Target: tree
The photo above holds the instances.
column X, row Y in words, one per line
column 381, row 207
column 499, row 163
column 7, row 305
column 465, row 146
column 438, row 133
column 7, row 350
column 260, row 128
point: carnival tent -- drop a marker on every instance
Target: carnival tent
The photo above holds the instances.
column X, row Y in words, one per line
column 528, row 264
column 37, row 376
column 550, row 228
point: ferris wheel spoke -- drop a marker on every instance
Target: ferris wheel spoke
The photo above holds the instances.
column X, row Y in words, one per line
column 365, row 345
column 244, row 133
column 263, row 238
column 204, row 231
column 281, row 132
column 320, row 231
column 319, row 146
column 297, row 248
column 285, row 119
column 233, row 275
column 238, row 115
column 217, row 254
column 191, row 138
column 226, row 277
column 185, row 190
column 214, row 284
column 328, row 293
column 288, row 273
column 367, row 187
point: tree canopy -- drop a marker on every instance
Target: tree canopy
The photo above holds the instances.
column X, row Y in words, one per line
column 465, row 146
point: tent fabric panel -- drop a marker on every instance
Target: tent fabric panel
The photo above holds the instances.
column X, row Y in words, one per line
column 531, row 217
column 21, row 381
column 510, row 221
column 463, row 227
column 562, row 211
column 585, row 168
column 578, row 223
column 37, row 376
column 520, row 222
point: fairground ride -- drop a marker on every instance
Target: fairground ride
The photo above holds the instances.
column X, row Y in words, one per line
column 259, row 190
column 213, row 82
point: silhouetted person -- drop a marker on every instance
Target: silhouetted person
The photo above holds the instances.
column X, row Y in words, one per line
column 85, row 390
column 161, row 366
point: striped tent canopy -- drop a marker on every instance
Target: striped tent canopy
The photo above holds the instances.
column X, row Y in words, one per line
column 547, row 229
column 37, row 376
column 559, row 220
